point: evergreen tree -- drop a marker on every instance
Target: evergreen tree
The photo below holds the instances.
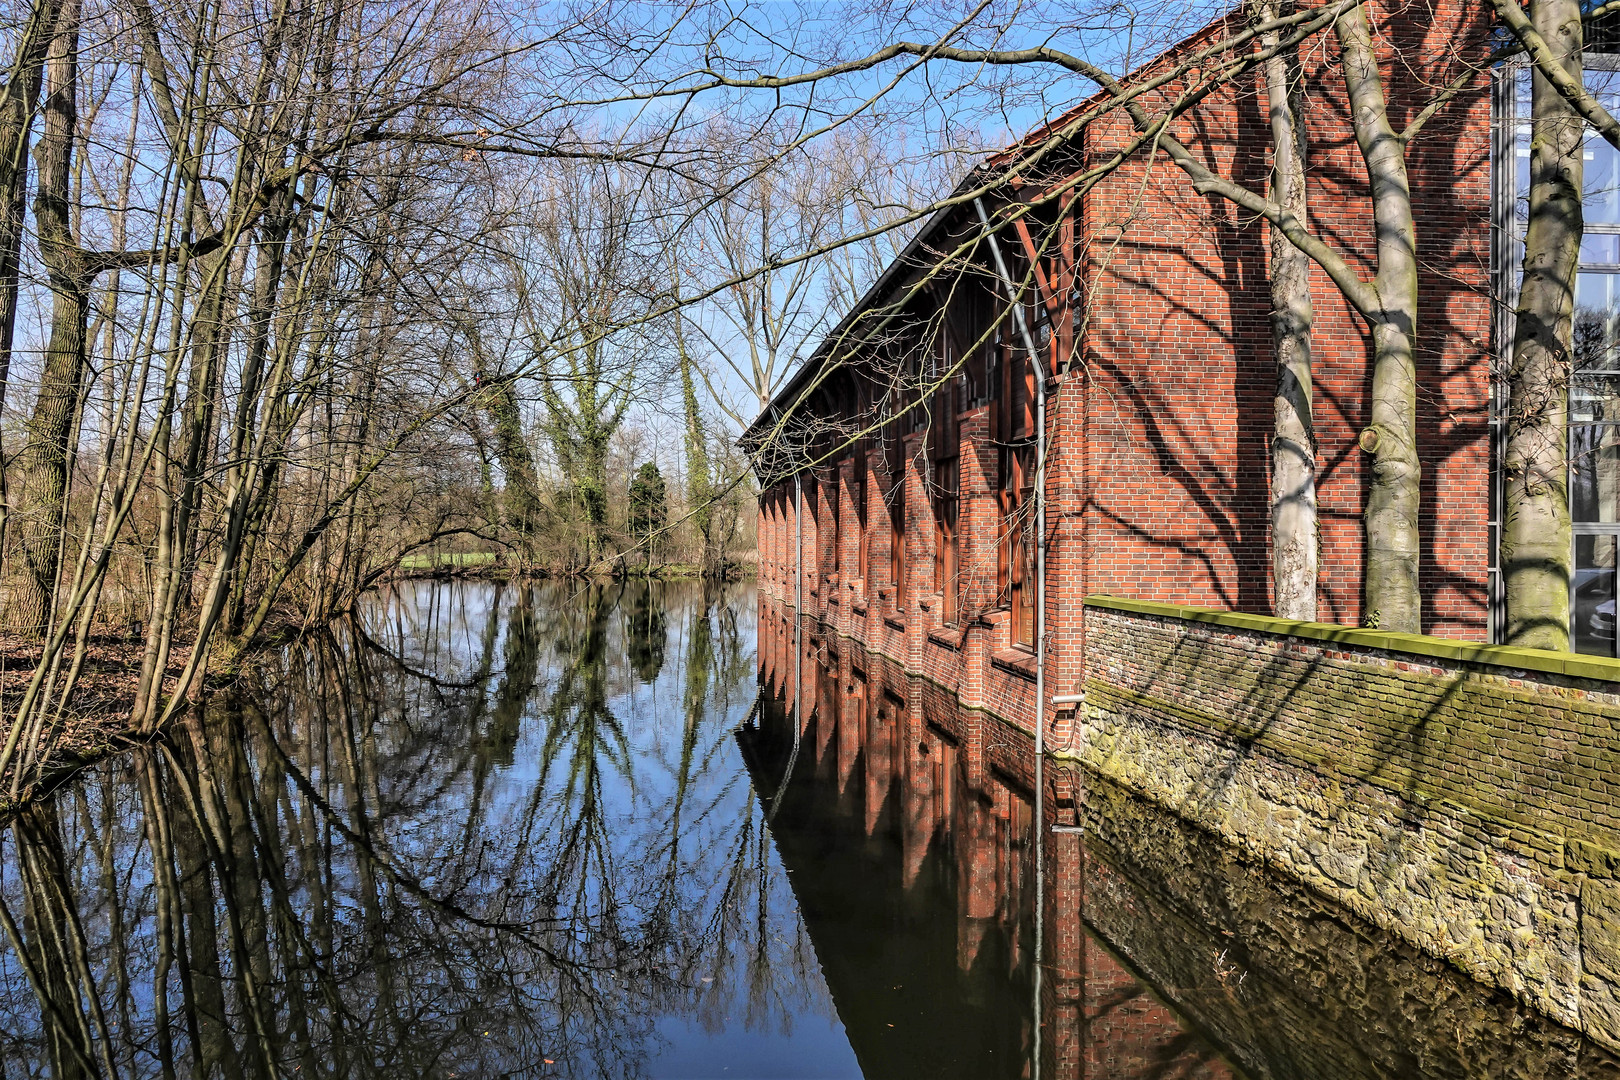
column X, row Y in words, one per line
column 649, row 507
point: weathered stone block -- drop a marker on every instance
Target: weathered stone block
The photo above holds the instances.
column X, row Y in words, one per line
column 1600, row 1010
column 1600, row 928
column 1343, row 859
column 1585, row 857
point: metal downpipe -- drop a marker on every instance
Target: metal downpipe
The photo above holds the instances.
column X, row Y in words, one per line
column 798, row 610
column 1040, row 622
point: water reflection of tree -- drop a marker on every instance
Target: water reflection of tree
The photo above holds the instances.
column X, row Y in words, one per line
column 751, row 943
column 646, row 628
column 426, row 845
column 584, row 746
column 49, row 943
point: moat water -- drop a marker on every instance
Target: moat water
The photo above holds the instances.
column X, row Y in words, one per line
column 593, row 831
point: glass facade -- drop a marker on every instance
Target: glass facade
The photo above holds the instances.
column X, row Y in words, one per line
column 1594, row 391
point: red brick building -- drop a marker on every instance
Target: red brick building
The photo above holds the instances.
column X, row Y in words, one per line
column 1148, row 305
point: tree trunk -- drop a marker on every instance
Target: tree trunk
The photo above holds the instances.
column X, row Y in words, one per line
column 197, row 416
column 591, row 488
column 18, row 101
column 1391, row 598
column 1293, row 440
column 1536, row 538
column 699, row 490
column 270, row 268
column 41, row 477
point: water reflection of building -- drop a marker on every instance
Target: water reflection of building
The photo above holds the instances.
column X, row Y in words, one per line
column 902, row 815
column 906, row 822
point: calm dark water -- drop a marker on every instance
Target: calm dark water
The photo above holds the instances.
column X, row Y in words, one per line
column 488, row 831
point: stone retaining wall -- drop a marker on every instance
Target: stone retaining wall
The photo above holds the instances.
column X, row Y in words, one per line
column 1288, row 984
column 1463, row 797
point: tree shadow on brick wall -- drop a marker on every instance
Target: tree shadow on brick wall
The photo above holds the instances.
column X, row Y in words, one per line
column 1450, row 170
column 1228, row 538
column 1252, row 718
column 1399, row 764
column 1228, row 482
column 1218, row 455
column 1414, row 744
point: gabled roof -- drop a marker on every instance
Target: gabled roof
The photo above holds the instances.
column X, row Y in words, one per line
column 886, row 281
column 876, row 293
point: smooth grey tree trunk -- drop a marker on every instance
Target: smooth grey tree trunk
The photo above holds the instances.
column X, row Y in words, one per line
column 1536, row 535
column 1391, row 596
column 1293, row 441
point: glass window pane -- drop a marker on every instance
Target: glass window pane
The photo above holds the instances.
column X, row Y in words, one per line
column 1602, row 164
column 1600, row 248
column 1602, row 161
column 1592, row 607
column 1597, row 322
column 1595, row 473
column 1594, row 399
column 1601, row 204
column 1521, row 167
column 1024, row 613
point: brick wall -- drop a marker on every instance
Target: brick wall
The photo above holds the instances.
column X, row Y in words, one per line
column 1470, row 807
column 1171, row 472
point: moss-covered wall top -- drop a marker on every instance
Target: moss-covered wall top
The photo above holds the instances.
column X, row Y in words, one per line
column 1532, row 751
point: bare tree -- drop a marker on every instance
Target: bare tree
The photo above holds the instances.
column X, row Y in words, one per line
column 771, row 196
column 1294, row 544
column 41, row 469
